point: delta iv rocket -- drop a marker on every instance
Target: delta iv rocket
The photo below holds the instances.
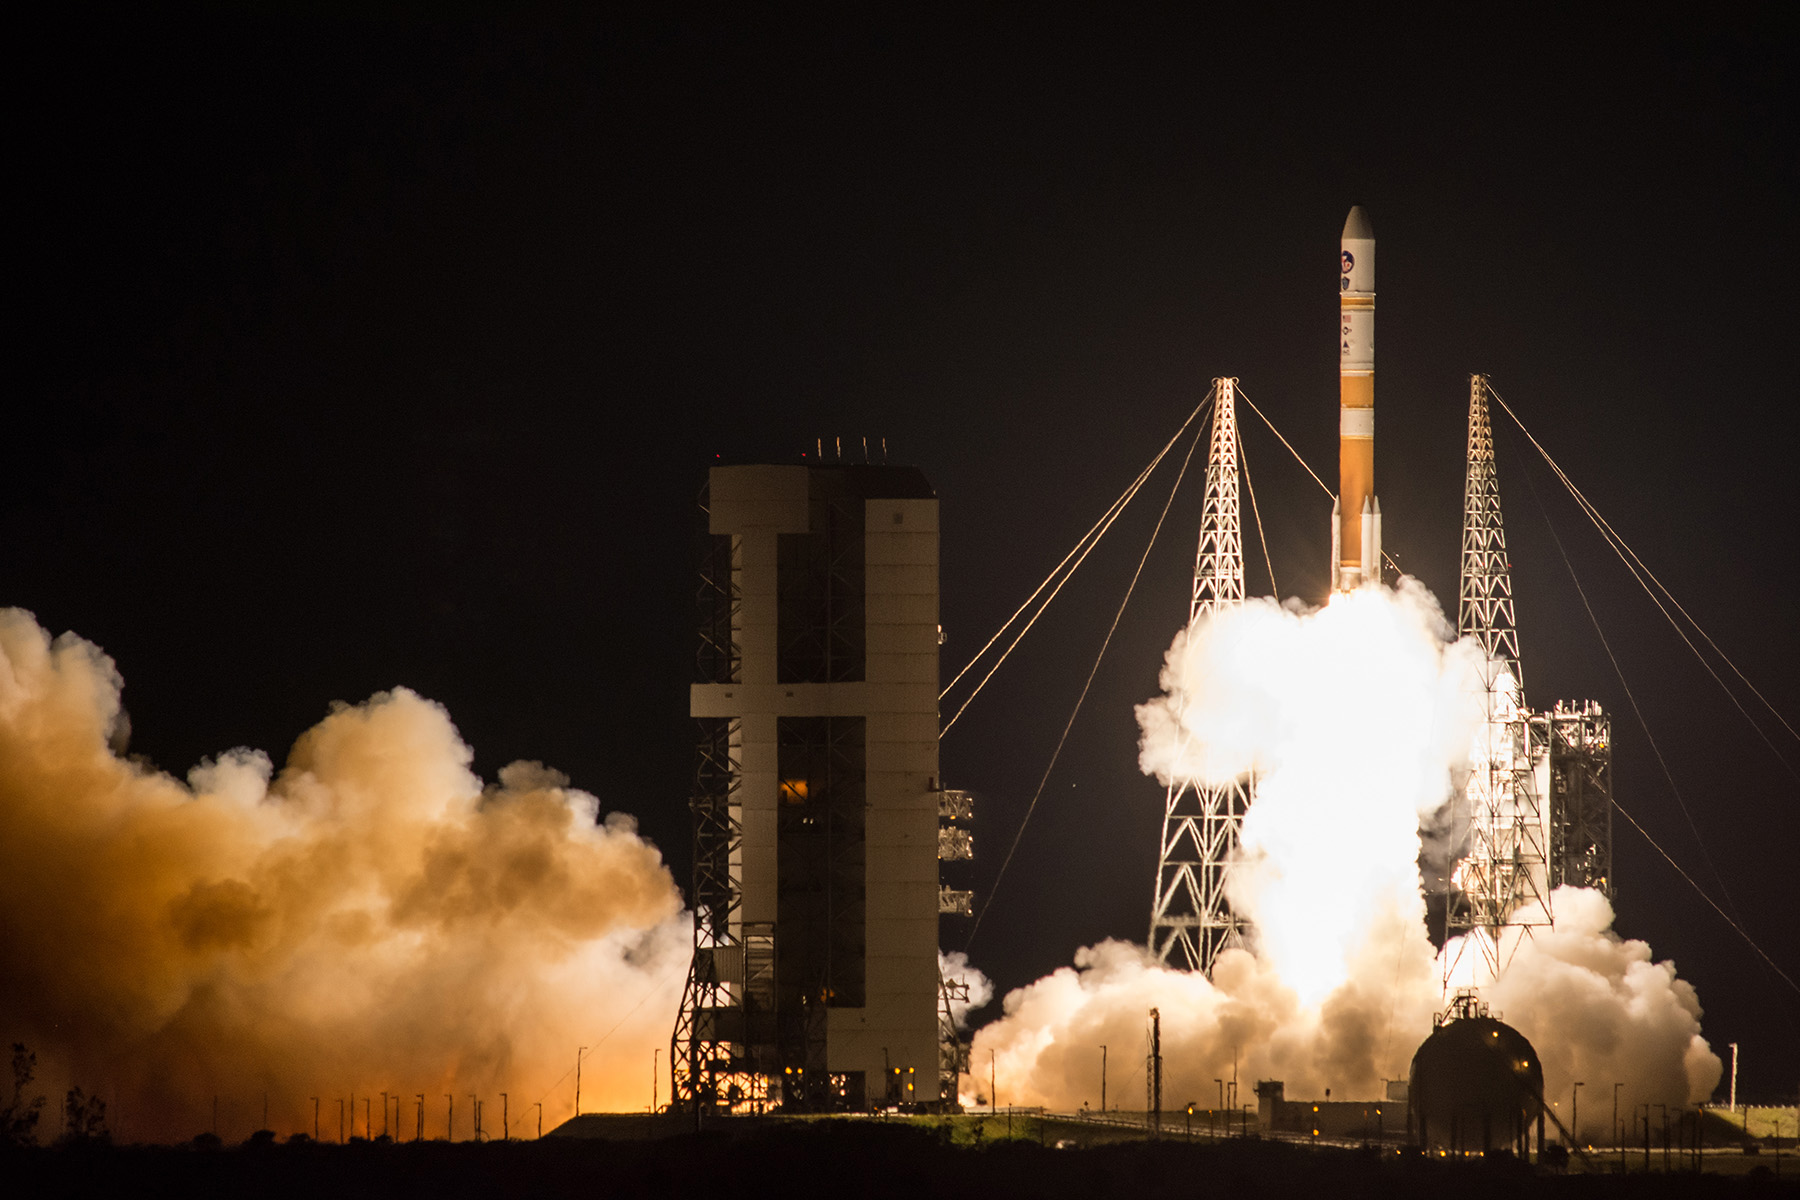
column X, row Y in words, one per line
column 1355, row 512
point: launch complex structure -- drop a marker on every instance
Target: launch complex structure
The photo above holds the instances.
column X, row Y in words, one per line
column 819, row 815
column 1535, row 811
column 821, row 822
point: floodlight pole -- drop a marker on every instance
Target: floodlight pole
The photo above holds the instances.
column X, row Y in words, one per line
column 1619, row 1134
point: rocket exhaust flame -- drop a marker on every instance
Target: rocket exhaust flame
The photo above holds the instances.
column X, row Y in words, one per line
column 1358, row 719
column 372, row 915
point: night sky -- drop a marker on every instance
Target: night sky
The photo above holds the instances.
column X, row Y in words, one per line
column 356, row 352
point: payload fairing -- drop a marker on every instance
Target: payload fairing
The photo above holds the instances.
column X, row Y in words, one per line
column 1356, row 513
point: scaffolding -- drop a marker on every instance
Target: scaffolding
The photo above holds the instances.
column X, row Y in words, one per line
column 730, row 992
column 1191, row 920
column 956, row 809
column 1578, row 740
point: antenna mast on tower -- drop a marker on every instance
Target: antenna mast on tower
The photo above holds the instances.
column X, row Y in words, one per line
column 1190, row 919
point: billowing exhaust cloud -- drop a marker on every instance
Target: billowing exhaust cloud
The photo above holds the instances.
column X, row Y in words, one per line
column 371, row 918
column 1357, row 719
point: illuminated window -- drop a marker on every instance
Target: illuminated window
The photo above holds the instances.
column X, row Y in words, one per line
column 793, row 791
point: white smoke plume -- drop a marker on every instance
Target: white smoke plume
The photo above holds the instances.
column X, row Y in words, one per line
column 976, row 992
column 371, row 918
column 1357, row 719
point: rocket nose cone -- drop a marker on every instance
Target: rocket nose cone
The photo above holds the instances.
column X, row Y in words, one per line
column 1357, row 227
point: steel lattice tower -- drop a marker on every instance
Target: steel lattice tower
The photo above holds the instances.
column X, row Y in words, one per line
column 1484, row 608
column 1506, row 867
column 1190, row 919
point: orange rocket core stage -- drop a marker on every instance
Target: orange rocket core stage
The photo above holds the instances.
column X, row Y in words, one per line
column 1356, row 461
column 1357, row 536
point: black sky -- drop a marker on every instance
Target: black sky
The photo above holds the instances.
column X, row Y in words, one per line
column 358, row 352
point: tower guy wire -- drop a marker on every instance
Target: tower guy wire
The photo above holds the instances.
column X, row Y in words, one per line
column 1634, row 565
column 1656, row 749
column 1092, row 671
column 1385, row 556
column 1088, row 540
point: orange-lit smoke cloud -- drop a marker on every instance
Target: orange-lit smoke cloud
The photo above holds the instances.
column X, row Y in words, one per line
column 372, row 918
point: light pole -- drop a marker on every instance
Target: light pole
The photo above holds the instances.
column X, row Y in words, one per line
column 1619, row 1134
column 505, row 1121
column 993, row 1087
column 475, row 1107
column 449, row 1118
column 1220, row 1109
column 384, row 1128
column 578, row 1053
column 1575, row 1114
column 1102, row 1079
column 1190, row 1121
column 655, row 1061
column 419, row 1136
column 540, row 1108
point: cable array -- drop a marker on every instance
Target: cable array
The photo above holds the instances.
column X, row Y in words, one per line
column 1642, row 573
column 1079, row 554
column 1098, row 658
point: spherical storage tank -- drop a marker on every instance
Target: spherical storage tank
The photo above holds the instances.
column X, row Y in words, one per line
column 1476, row 1085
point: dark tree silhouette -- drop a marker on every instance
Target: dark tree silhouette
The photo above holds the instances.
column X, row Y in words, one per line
column 18, row 1120
column 84, row 1119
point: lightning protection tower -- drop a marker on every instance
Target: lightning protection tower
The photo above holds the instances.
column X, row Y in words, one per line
column 1191, row 921
column 1505, row 870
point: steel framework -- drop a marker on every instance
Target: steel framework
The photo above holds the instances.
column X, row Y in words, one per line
column 1191, row 921
column 955, row 842
column 730, row 984
column 1579, row 741
column 1504, row 878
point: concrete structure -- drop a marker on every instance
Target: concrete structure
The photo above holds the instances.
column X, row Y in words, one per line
column 815, row 979
column 1362, row 1120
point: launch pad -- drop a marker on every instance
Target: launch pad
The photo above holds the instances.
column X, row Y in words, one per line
column 1535, row 810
